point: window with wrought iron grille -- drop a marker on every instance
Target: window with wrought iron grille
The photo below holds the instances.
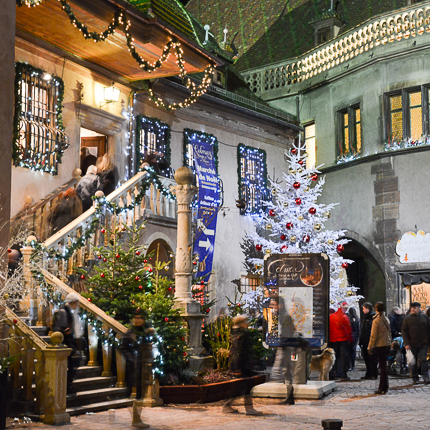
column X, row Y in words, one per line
column 407, row 114
column 252, row 171
column 349, row 131
column 311, row 145
column 39, row 137
column 153, row 143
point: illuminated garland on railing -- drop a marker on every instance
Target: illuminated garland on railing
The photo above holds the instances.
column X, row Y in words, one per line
column 100, row 205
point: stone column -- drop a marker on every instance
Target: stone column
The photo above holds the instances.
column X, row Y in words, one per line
column 185, row 192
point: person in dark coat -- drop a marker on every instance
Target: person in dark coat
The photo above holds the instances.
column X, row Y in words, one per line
column 87, row 160
column 108, row 174
column 66, row 321
column 416, row 333
column 241, row 361
column 68, row 208
column 366, row 328
column 87, row 187
column 355, row 326
column 396, row 319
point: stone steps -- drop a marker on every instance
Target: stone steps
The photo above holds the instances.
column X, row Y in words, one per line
column 98, row 407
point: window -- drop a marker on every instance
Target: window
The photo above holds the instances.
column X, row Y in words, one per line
column 39, row 139
column 310, row 144
column 323, row 35
column 406, row 114
column 253, row 177
column 349, row 139
column 153, row 137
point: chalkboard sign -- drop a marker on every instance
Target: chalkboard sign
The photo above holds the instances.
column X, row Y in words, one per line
column 296, row 300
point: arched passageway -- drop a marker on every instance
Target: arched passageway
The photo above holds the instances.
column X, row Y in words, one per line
column 162, row 252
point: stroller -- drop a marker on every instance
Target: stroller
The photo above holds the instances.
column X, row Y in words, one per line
column 397, row 356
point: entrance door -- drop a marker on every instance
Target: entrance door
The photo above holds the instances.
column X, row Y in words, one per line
column 97, row 147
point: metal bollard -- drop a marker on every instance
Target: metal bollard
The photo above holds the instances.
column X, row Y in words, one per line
column 332, row 424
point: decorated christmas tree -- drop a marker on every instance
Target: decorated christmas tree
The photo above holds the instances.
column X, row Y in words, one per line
column 122, row 275
column 294, row 223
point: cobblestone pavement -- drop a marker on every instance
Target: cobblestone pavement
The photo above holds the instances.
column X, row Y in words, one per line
column 405, row 406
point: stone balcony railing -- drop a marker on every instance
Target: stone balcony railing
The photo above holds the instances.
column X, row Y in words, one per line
column 359, row 43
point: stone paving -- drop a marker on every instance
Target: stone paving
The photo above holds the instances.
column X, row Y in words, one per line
column 404, row 407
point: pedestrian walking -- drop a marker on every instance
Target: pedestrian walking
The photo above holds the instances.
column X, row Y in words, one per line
column 241, row 362
column 379, row 344
column 365, row 330
column 87, row 187
column 355, row 327
column 66, row 321
column 68, row 208
column 396, row 317
column 416, row 332
column 340, row 336
column 108, row 174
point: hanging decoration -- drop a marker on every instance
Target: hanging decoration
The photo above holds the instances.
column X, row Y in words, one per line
column 252, row 174
column 121, row 21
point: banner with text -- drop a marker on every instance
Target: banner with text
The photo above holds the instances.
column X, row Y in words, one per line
column 202, row 150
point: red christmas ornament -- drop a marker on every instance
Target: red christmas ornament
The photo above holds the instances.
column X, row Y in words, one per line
column 184, row 354
column 258, row 247
column 9, row 250
column 182, row 338
column 124, row 229
column 289, row 225
column 99, row 257
column 202, row 282
column 137, row 252
column 82, row 276
column 15, row 321
column 117, row 255
column 344, row 265
column 306, row 238
column 150, row 270
column 312, row 211
column 298, row 201
column 105, row 259
column 194, row 262
column 272, row 212
column 296, row 185
column 239, row 305
column 137, row 278
column 145, row 261
column 140, row 286
column 89, row 299
column 150, row 259
column 300, row 162
column 294, row 151
column 283, row 237
column 102, row 275
column 103, row 230
column 166, row 319
column 340, row 248
column 170, row 288
column 314, row 176
column 284, row 248
column 207, row 311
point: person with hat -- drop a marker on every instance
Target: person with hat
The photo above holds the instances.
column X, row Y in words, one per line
column 340, row 336
column 416, row 333
column 66, row 321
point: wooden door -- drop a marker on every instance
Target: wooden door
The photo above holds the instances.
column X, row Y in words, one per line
column 96, row 145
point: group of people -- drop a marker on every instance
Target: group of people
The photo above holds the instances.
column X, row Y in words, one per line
column 103, row 176
column 375, row 338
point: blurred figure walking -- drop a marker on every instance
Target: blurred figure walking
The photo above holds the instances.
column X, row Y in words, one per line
column 366, row 328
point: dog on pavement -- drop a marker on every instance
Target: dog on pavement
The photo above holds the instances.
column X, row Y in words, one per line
column 323, row 363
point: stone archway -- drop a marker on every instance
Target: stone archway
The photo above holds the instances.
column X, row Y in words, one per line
column 367, row 272
column 162, row 252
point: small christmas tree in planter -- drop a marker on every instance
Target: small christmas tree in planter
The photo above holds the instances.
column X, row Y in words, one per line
column 294, row 223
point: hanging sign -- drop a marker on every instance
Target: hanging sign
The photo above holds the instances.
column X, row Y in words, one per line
column 414, row 247
column 208, row 202
column 298, row 311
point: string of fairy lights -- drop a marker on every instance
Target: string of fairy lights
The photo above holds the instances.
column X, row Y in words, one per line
column 252, row 178
column 120, row 21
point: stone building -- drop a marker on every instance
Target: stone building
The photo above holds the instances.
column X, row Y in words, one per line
column 356, row 74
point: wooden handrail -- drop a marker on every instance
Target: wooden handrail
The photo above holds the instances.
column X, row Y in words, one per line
column 107, row 320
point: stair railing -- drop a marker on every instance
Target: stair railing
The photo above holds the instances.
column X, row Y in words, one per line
column 49, row 365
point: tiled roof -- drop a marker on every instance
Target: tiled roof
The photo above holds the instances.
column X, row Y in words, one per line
column 246, row 20
column 292, row 35
column 170, row 11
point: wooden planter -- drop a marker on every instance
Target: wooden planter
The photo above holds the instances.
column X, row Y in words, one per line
column 209, row 392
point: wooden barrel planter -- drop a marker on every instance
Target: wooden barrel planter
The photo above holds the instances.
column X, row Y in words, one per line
column 209, row 392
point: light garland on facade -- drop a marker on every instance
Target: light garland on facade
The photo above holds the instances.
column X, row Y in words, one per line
column 255, row 158
column 395, row 145
column 20, row 156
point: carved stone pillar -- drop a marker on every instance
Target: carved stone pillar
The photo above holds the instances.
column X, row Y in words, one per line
column 28, row 279
column 185, row 192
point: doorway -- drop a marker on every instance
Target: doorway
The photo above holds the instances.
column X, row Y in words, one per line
column 93, row 146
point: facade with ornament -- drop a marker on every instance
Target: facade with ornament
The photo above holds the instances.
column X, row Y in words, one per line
column 65, row 82
column 356, row 74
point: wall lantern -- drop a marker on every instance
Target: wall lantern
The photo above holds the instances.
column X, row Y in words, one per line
column 111, row 95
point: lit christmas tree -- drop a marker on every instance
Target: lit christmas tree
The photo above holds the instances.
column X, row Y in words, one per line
column 294, row 223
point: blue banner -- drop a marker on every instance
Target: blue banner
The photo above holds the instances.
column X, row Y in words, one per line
column 202, row 152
